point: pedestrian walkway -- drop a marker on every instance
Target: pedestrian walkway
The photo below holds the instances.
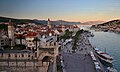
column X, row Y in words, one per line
column 78, row 63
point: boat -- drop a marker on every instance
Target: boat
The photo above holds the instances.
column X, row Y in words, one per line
column 92, row 35
column 105, row 30
column 103, row 56
column 111, row 69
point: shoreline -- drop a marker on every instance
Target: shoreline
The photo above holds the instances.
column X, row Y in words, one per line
column 81, row 55
column 105, row 30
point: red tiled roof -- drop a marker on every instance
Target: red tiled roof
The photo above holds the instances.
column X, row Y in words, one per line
column 19, row 36
column 30, row 34
column 58, row 26
column 60, row 31
column 46, row 33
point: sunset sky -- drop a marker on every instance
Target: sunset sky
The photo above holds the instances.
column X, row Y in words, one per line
column 70, row 10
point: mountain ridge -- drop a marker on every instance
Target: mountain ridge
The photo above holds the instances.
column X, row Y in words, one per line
column 109, row 23
column 92, row 22
column 20, row 21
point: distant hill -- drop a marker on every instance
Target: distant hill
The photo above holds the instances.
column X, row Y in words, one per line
column 21, row 21
column 3, row 27
column 17, row 21
column 92, row 22
column 64, row 22
column 58, row 22
column 109, row 23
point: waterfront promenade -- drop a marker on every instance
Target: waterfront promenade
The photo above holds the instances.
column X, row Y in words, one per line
column 80, row 61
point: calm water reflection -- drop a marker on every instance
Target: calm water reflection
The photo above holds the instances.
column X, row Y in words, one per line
column 110, row 41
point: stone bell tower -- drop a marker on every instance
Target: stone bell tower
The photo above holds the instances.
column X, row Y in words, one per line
column 11, row 33
column 49, row 25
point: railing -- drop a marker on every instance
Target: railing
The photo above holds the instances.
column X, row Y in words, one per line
column 48, row 46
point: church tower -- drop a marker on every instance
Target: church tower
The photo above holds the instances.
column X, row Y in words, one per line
column 11, row 33
column 49, row 25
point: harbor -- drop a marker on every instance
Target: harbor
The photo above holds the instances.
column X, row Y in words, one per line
column 80, row 60
column 109, row 42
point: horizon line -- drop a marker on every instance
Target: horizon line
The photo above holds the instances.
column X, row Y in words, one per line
column 59, row 19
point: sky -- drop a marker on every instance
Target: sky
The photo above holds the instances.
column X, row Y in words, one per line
column 70, row 10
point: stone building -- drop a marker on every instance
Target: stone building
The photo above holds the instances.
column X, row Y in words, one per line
column 27, row 60
column 11, row 33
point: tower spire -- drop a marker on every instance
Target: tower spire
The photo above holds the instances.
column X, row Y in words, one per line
column 49, row 25
column 10, row 22
column 11, row 33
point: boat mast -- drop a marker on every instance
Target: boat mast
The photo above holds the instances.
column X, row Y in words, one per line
column 105, row 50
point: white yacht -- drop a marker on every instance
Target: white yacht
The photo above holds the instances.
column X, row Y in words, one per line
column 104, row 56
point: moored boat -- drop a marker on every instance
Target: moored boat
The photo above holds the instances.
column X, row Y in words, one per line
column 111, row 69
column 104, row 56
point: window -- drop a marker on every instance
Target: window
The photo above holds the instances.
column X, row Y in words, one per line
column 8, row 55
column 30, row 40
column 54, row 43
column 30, row 44
column 29, row 55
column 50, row 44
column 35, row 54
column 15, row 55
column 22, row 55
column 2, row 43
column 2, row 40
column 32, row 57
column 2, row 55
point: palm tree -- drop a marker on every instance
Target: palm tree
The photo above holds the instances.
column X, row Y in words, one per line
column 33, row 62
column 25, row 62
column 16, row 60
column 71, row 34
column 8, row 62
column 20, row 37
column 36, row 41
column 10, row 43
